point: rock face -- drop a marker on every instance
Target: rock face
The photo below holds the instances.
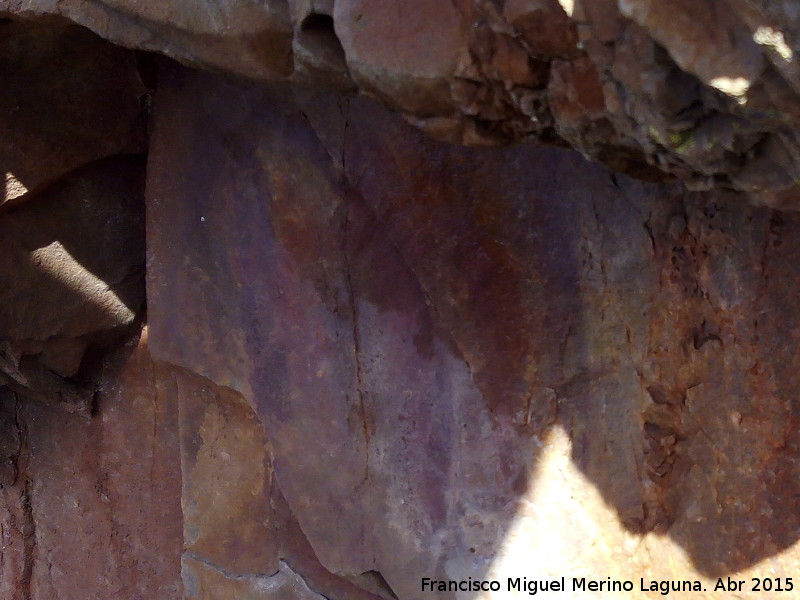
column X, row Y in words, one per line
column 95, row 509
column 706, row 92
column 421, row 318
column 370, row 356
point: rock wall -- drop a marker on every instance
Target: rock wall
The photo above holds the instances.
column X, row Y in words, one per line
column 266, row 339
column 705, row 91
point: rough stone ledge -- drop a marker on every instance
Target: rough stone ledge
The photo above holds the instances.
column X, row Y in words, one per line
column 706, row 92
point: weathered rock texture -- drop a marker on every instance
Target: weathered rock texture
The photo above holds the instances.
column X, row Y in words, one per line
column 95, row 509
column 704, row 91
column 368, row 355
column 412, row 319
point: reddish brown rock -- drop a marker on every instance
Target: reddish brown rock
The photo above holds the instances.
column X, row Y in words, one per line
column 95, row 510
column 413, row 321
column 545, row 26
column 227, row 477
column 704, row 92
column 239, row 535
column 418, row 55
column 380, row 357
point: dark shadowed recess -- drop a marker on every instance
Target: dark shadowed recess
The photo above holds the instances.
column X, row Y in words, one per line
column 73, row 137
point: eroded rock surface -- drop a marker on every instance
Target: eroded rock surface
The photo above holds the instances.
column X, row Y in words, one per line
column 414, row 320
column 95, row 510
column 370, row 356
column 703, row 91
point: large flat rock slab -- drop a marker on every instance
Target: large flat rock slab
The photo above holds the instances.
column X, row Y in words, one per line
column 429, row 334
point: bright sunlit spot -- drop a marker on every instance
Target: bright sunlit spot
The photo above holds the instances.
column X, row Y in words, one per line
column 57, row 262
column 13, row 188
column 568, row 6
column 772, row 38
column 562, row 525
column 564, row 529
column 732, row 86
